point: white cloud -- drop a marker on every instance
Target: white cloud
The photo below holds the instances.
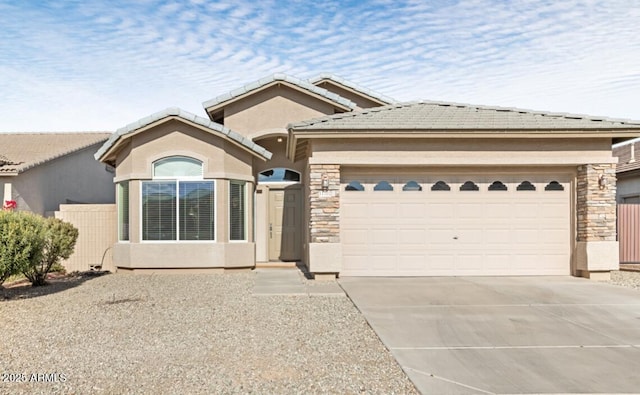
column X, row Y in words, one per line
column 86, row 65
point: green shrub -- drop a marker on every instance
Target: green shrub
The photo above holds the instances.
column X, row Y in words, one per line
column 22, row 239
column 59, row 241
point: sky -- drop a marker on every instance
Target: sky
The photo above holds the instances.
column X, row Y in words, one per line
column 100, row 65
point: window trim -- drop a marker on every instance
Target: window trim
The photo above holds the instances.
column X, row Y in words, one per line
column 178, row 240
column 246, row 217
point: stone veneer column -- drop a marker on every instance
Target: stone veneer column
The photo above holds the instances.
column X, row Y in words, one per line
column 597, row 248
column 325, row 250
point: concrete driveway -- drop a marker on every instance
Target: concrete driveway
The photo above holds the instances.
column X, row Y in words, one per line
column 486, row 335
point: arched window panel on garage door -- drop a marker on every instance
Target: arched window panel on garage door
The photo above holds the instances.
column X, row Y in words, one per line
column 383, row 186
column 469, row 186
column 354, row 186
column 412, row 186
column 554, row 186
column 497, row 186
column 526, row 186
column 440, row 186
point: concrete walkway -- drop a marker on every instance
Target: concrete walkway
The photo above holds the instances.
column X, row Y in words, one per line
column 291, row 282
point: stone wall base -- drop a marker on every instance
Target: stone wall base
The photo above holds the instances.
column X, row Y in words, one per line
column 597, row 256
column 325, row 258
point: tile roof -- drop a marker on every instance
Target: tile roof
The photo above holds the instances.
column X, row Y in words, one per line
column 429, row 115
column 22, row 151
column 341, row 81
column 175, row 112
column 623, row 152
column 256, row 85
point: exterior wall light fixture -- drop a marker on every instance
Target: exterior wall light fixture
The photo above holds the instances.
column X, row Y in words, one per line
column 325, row 183
column 602, row 182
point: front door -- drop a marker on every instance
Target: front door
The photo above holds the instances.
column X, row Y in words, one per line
column 285, row 223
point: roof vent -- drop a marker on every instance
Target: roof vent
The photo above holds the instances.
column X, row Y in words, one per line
column 632, row 159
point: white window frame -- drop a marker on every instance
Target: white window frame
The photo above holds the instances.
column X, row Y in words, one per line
column 246, row 205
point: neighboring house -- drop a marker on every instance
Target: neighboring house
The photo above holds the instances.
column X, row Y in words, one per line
column 40, row 171
column 291, row 170
column 628, row 172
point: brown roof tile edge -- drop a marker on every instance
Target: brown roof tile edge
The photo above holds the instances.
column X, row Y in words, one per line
column 19, row 166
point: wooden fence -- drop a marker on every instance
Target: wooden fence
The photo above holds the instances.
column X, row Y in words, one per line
column 629, row 232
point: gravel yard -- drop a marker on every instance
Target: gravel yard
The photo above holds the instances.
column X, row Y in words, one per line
column 187, row 334
column 626, row 279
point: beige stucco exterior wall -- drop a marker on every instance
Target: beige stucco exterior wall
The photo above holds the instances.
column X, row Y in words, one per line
column 454, row 152
column 222, row 161
column 273, row 109
column 76, row 177
column 96, row 224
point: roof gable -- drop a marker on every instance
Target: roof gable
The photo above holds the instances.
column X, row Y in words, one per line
column 212, row 105
column 187, row 117
column 352, row 87
column 22, row 151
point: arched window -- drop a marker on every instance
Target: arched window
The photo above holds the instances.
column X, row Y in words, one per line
column 554, row 186
column 440, row 186
column 497, row 186
column 383, row 186
column 354, row 186
column 469, row 186
column 412, row 186
column 526, row 186
column 279, row 174
column 177, row 167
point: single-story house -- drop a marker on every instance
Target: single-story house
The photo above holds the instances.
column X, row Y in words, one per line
column 352, row 183
column 40, row 171
column 628, row 172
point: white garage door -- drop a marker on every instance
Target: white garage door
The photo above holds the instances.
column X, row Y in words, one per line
column 462, row 225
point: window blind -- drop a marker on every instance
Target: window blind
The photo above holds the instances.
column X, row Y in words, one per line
column 196, row 210
column 237, row 209
column 159, row 210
